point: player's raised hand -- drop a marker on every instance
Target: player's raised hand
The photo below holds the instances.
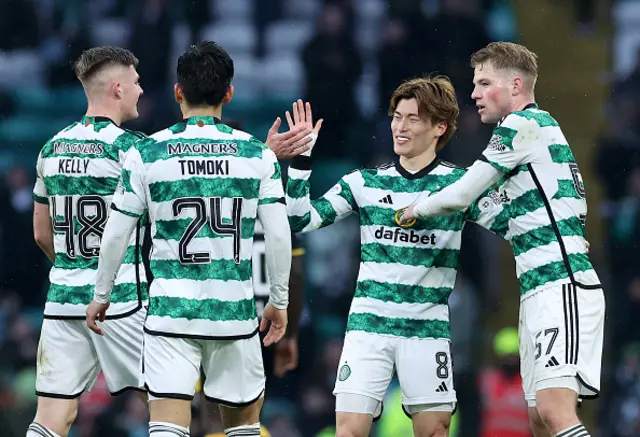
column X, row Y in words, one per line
column 288, row 144
column 286, row 356
column 278, row 328
column 302, row 115
column 96, row 312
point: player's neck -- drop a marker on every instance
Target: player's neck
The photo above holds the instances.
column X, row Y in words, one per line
column 420, row 161
column 201, row 111
column 103, row 111
column 520, row 103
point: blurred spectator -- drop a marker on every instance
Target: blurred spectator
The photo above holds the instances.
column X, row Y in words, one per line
column 332, row 67
column 623, row 412
column 504, row 410
column 19, row 24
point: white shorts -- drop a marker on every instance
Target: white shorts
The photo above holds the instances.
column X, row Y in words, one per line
column 561, row 333
column 233, row 371
column 424, row 369
column 70, row 356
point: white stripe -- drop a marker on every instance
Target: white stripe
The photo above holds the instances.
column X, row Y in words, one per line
column 542, row 255
column 407, row 275
column 207, row 131
column 167, row 170
column 227, row 291
column 443, row 239
column 80, row 277
column 400, row 199
column 80, row 132
column 200, row 327
column 96, row 168
column 418, row 311
column 164, row 210
column 217, row 248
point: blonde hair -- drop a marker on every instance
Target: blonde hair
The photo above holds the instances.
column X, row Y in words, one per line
column 436, row 99
column 509, row 56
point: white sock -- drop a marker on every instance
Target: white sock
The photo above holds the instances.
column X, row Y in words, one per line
column 574, row 431
column 37, row 430
column 243, row 431
column 166, row 429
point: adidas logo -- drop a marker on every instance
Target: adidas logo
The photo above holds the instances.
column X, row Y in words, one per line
column 386, row 199
column 442, row 388
column 552, row 362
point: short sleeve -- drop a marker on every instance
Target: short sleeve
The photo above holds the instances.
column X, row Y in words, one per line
column 511, row 143
column 40, row 189
column 129, row 197
column 271, row 190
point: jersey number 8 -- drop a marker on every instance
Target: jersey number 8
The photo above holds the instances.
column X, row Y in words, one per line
column 88, row 224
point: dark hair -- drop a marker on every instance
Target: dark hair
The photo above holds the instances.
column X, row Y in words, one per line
column 93, row 60
column 436, row 99
column 205, row 72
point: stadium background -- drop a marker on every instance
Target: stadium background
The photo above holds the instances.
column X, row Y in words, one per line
column 345, row 56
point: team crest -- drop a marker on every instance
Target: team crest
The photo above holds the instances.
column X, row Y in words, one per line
column 345, row 372
column 397, row 217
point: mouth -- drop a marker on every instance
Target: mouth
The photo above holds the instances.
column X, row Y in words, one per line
column 401, row 140
column 481, row 108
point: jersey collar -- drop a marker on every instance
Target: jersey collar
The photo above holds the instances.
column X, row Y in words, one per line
column 87, row 120
column 530, row 106
column 422, row 173
column 202, row 120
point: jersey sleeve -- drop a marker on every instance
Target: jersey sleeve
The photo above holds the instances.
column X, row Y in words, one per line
column 126, row 141
column 40, row 189
column 490, row 213
column 130, row 198
column 306, row 214
column 271, row 190
column 511, row 143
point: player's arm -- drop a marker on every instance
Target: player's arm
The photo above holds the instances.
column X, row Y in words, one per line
column 488, row 211
column 277, row 238
column 127, row 207
column 42, row 229
column 506, row 151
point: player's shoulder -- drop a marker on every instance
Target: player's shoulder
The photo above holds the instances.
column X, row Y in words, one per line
column 530, row 117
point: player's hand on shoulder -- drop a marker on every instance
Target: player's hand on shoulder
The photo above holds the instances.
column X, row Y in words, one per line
column 96, row 312
column 278, row 321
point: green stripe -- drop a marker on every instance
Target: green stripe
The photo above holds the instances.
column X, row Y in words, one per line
column 213, row 310
column 297, row 188
column 346, row 194
column 40, row 199
column 157, row 151
column 174, row 229
column 553, row 271
column 247, row 188
column 399, row 184
column 277, row 173
column 62, row 185
column 542, row 118
column 221, row 269
column 571, row 227
column 66, row 263
column 566, row 189
column 83, row 294
column 326, row 211
column 110, row 151
column 398, row 327
column 126, row 181
column 561, row 154
column 298, row 223
column 377, row 216
column 269, row 200
column 410, row 256
column 400, row 293
column 504, row 136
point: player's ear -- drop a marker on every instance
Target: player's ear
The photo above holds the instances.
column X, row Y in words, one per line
column 116, row 90
column 177, row 92
column 518, row 85
column 228, row 95
column 442, row 128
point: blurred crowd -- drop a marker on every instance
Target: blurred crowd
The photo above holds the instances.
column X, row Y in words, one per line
column 345, row 57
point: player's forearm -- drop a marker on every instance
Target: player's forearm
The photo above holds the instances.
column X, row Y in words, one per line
column 277, row 239
column 42, row 231
column 461, row 194
column 296, row 296
column 113, row 247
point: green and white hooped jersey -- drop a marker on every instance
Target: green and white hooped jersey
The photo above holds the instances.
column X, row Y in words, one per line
column 201, row 183
column 77, row 173
column 544, row 201
column 406, row 274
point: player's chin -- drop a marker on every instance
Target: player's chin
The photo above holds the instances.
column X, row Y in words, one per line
column 401, row 149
